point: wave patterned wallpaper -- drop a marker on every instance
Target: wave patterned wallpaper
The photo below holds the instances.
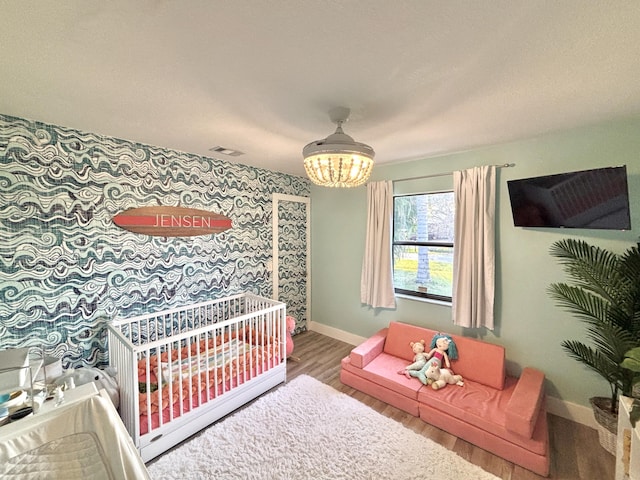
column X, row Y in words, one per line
column 292, row 266
column 67, row 269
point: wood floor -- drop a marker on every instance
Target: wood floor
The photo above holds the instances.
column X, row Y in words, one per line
column 575, row 451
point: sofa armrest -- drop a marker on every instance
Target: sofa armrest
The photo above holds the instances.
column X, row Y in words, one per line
column 525, row 403
column 369, row 349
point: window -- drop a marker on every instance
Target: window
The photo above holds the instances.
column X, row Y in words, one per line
column 423, row 245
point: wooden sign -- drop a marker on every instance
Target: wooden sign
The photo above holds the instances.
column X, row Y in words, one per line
column 172, row 221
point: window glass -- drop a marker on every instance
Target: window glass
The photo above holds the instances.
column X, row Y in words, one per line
column 423, row 244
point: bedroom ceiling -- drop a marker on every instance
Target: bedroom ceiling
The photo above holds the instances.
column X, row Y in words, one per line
column 421, row 77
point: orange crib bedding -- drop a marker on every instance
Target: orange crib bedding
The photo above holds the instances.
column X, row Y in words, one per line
column 177, row 381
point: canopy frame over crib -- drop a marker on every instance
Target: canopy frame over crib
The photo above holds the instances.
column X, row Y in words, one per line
column 184, row 368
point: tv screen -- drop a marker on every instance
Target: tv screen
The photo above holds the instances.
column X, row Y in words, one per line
column 597, row 198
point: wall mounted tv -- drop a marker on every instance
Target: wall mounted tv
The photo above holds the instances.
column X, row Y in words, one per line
column 597, row 198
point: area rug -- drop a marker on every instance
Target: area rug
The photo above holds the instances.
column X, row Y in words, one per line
column 308, row 430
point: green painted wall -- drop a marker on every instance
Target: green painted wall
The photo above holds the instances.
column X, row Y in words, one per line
column 528, row 323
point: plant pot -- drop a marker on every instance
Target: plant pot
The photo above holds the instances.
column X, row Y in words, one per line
column 607, row 423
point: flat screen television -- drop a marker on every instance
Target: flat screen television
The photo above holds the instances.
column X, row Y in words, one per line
column 596, row 198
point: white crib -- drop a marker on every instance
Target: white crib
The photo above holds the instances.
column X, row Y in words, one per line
column 182, row 369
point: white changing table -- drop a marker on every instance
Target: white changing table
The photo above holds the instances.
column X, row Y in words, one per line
column 85, row 413
column 628, row 444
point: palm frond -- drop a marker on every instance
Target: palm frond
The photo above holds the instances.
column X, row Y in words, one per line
column 605, row 295
column 630, row 269
column 611, row 340
column 595, row 360
column 590, row 267
column 630, row 262
column 583, row 304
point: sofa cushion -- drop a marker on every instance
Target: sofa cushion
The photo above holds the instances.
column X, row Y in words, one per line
column 526, row 402
column 383, row 371
column 369, row 349
column 481, row 406
column 519, row 454
column 477, row 360
column 387, row 395
column 400, row 336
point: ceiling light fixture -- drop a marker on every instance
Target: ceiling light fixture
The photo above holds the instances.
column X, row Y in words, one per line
column 338, row 160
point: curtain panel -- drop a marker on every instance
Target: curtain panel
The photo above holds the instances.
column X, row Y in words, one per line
column 376, row 283
column 474, row 247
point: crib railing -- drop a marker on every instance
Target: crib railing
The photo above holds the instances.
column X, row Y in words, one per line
column 172, row 362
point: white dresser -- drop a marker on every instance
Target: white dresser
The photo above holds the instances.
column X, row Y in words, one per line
column 628, row 444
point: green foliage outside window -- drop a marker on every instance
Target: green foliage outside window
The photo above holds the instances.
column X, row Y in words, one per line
column 423, row 245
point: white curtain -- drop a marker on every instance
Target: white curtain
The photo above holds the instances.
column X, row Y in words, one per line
column 474, row 247
column 376, row 283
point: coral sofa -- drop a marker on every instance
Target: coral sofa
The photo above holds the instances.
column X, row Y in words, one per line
column 497, row 412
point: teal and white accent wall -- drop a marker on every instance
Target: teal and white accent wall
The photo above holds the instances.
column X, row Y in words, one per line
column 528, row 323
column 66, row 268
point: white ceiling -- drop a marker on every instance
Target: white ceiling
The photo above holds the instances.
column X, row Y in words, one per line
column 422, row 77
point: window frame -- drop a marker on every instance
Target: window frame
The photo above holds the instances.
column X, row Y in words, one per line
column 413, row 293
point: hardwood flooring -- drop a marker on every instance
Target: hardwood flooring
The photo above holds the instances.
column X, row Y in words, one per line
column 575, row 450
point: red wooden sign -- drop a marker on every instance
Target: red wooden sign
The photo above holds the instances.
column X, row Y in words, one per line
column 172, row 221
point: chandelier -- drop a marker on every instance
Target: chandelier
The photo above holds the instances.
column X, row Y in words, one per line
column 338, row 160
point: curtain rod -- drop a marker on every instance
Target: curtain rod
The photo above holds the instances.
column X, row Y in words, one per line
column 504, row 165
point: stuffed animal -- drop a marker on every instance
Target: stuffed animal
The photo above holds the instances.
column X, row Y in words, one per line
column 441, row 376
column 291, row 327
column 443, row 348
column 419, row 358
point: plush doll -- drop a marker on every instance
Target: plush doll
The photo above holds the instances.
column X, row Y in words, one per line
column 291, row 327
column 443, row 348
column 441, row 376
column 419, row 358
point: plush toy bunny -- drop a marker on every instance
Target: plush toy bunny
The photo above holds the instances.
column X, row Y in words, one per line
column 441, row 376
column 419, row 359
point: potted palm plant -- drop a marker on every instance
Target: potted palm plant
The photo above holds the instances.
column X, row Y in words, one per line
column 605, row 295
column 632, row 362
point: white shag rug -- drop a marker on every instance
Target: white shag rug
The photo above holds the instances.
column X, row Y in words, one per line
column 308, row 430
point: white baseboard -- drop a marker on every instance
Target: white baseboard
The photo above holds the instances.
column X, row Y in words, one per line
column 571, row 411
column 336, row 333
column 555, row 406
